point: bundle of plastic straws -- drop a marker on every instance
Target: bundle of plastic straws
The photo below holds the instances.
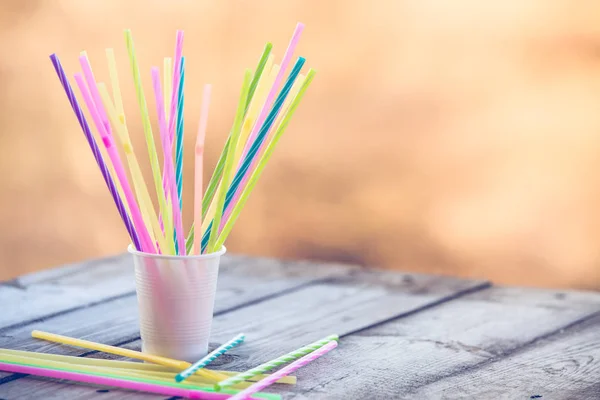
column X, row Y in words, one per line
column 267, row 102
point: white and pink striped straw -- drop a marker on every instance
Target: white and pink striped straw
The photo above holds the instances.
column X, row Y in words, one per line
column 271, row 379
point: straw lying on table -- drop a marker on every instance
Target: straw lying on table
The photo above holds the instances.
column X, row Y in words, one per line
column 264, row 110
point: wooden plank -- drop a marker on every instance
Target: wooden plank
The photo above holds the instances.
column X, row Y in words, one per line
column 61, row 290
column 273, row 326
column 563, row 366
column 399, row 357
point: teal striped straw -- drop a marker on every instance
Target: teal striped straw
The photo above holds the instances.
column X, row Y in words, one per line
column 210, row 357
column 263, row 368
column 179, row 134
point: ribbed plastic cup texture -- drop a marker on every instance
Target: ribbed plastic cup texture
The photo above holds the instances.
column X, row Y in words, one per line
column 176, row 297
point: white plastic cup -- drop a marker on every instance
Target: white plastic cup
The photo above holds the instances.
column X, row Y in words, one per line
column 176, row 298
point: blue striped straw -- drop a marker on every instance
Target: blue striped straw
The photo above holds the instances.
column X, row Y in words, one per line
column 179, row 134
column 210, row 357
column 256, row 145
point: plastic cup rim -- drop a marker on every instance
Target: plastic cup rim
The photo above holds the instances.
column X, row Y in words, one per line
column 209, row 256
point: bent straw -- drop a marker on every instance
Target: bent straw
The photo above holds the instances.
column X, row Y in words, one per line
column 246, row 393
column 216, row 176
column 30, row 357
column 139, row 184
column 168, row 158
column 228, row 169
column 95, row 150
column 243, row 173
column 199, row 165
column 167, row 362
column 112, row 366
column 212, row 356
column 261, row 369
column 287, row 57
column 138, row 384
column 141, row 99
column 147, row 243
column 237, row 207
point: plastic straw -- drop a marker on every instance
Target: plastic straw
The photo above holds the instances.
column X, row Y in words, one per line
column 176, row 79
column 91, row 81
column 168, row 157
column 179, row 135
column 244, row 171
column 237, row 207
column 287, row 57
column 229, row 161
column 167, row 362
column 251, row 115
column 252, row 157
column 139, row 90
column 137, row 177
column 163, row 377
column 95, row 150
column 199, row 166
column 213, row 355
column 143, row 385
column 167, row 83
column 261, row 369
column 246, row 393
column 144, row 369
column 107, row 139
column 265, row 83
column 216, row 176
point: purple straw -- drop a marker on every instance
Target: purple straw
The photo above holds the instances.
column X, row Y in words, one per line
column 95, row 150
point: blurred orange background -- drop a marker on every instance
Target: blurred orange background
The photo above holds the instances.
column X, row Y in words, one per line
column 444, row 137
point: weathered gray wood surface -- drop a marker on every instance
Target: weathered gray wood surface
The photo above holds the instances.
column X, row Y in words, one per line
column 404, row 336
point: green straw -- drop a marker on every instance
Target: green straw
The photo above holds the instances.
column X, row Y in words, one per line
column 237, row 208
column 147, row 125
column 294, row 355
column 216, row 177
column 229, row 161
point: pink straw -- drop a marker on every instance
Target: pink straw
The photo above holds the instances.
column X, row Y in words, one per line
column 199, row 166
column 114, row 382
column 287, row 57
column 91, row 82
column 271, row 379
column 146, row 241
column 169, row 175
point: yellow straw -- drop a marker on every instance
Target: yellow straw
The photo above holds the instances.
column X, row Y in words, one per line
column 113, row 366
column 237, row 208
column 139, row 90
column 167, row 362
column 141, row 190
column 228, row 170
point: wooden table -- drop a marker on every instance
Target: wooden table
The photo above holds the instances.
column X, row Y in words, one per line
column 403, row 336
